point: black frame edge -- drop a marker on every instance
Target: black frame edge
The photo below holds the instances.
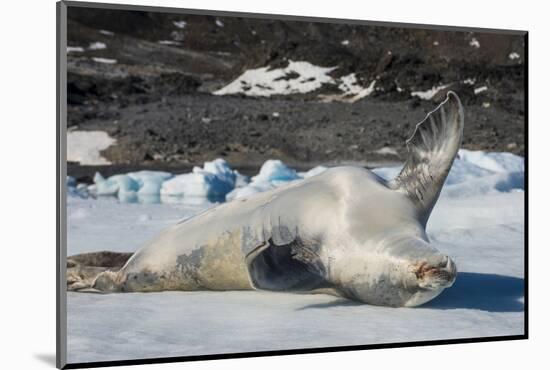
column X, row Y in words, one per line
column 285, row 17
column 305, row 351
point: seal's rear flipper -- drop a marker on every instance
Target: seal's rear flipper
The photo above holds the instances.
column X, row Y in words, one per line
column 432, row 149
column 84, row 269
column 99, row 259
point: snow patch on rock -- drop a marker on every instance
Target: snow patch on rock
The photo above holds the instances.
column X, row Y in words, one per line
column 297, row 77
column 85, row 146
column 97, row 46
column 429, row 94
column 104, row 60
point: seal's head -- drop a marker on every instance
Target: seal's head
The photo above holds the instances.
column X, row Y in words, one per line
column 407, row 273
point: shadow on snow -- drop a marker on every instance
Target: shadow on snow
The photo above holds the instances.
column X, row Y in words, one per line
column 485, row 292
column 471, row 290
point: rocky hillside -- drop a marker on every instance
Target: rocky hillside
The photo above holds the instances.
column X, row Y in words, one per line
column 175, row 90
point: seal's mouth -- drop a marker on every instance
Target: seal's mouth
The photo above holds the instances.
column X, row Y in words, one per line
column 435, row 276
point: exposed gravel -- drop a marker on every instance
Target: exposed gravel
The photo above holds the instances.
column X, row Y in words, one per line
column 156, row 99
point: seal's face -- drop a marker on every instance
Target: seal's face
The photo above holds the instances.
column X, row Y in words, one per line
column 431, row 276
column 397, row 279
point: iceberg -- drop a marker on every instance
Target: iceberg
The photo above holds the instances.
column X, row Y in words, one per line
column 114, row 185
column 472, row 173
column 274, row 170
column 150, row 182
column 213, row 181
column 273, row 173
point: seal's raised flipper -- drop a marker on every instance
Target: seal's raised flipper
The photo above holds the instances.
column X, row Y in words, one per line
column 83, row 269
column 432, row 150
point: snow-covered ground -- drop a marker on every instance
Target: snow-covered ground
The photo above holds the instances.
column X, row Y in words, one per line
column 298, row 77
column 85, row 146
column 478, row 220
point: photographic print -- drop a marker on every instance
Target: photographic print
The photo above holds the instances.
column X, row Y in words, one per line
column 244, row 184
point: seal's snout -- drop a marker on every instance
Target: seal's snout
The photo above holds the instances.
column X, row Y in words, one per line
column 435, row 273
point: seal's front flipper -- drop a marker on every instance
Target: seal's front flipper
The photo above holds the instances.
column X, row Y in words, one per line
column 290, row 267
column 432, row 150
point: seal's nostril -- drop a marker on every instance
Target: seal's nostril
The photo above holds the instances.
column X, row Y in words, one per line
column 444, row 262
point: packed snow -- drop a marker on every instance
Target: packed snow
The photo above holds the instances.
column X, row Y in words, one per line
column 478, row 220
column 85, row 146
column 97, row 46
column 177, row 35
column 513, row 56
column 75, row 49
column 180, row 24
column 480, row 89
column 104, row 60
column 474, row 43
column 429, row 94
column 387, row 151
column 352, row 90
column 169, row 42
